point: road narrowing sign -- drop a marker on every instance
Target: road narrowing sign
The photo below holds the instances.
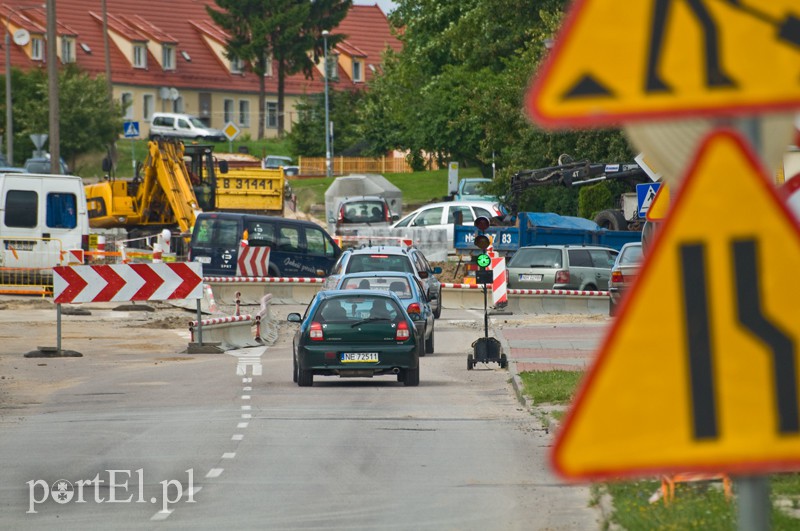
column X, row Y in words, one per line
column 619, row 61
column 709, row 381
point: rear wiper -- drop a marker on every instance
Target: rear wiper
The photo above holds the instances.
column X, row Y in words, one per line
column 370, row 320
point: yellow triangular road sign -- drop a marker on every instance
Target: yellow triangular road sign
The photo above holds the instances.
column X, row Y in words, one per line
column 620, row 61
column 700, row 371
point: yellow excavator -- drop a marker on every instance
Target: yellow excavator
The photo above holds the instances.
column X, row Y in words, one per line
column 174, row 184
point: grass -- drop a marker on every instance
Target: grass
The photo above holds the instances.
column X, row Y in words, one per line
column 550, row 387
column 697, row 506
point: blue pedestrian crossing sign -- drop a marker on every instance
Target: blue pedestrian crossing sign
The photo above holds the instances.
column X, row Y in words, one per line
column 131, row 129
column 645, row 193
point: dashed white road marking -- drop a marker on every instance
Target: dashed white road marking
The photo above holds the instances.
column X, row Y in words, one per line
column 246, row 408
column 242, row 424
column 161, row 515
column 214, row 473
column 247, row 416
column 229, row 455
column 245, row 397
column 237, row 437
column 247, row 388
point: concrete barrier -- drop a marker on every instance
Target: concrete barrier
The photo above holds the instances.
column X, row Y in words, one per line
column 470, row 296
column 225, row 333
column 284, row 290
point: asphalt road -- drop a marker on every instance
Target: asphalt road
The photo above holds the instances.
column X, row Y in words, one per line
column 204, row 441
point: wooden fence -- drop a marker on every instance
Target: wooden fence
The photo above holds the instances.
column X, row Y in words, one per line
column 315, row 166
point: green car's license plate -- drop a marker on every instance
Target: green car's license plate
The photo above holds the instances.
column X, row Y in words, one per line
column 359, row 357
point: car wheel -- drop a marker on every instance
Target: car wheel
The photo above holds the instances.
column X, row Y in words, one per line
column 294, row 369
column 438, row 312
column 429, row 343
column 503, row 361
column 305, row 378
column 470, row 362
column 412, row 377
column 421, row 345
column 612, row 307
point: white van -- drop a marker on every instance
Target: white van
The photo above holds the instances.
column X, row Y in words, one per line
column 42, row 218
column 171, row 125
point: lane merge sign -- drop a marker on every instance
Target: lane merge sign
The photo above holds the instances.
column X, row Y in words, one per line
column 709, row 381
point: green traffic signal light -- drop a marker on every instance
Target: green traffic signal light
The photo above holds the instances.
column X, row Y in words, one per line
column 483, row 260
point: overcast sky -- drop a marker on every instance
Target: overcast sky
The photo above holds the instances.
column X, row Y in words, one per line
column 386, row 5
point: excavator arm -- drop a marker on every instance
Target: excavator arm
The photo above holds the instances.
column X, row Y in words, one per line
column 568, row 173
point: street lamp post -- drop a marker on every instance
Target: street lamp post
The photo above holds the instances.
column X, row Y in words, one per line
column 328, row 169
column 9, row 111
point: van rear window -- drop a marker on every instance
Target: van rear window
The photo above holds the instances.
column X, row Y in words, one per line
column 21, row 208
column 217, row 233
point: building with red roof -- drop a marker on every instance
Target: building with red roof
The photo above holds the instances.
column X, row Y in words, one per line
column 170, row 57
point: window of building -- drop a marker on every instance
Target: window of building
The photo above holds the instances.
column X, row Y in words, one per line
column 139, row 56
column 227, row 111
column 177, row 105
column 237, row 66
column 67, row 50
column 127, row 105
column 272, row 114
column 244, row 113
column 358, row 72
column 148, row 106
column 37, row 48
column 168, row 57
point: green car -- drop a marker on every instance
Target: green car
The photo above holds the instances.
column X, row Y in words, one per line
column 355, row 333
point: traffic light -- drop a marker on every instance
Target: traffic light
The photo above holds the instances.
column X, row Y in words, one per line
column 482, row 241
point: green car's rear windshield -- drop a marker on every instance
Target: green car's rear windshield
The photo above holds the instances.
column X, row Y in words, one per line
column 356, row 309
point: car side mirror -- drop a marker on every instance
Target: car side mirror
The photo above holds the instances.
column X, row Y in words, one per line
column 294, row 318
column 437, row 270
column 395, row 217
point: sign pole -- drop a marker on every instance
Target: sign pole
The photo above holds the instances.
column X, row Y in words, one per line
column 58, row 328
column 754, row 503
column 133, row 156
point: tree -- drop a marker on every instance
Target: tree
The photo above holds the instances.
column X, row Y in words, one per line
column 308, row 133
column 86, row 121
column 283, row 31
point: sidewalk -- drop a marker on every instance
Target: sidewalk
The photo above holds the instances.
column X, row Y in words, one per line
column 548, row 345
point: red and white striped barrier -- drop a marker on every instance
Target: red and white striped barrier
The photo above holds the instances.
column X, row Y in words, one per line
column 408, row 242
column 499, row 278
column 567, row 292
column 277, row 280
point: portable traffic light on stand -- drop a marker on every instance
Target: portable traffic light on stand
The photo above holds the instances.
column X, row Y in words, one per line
column 486, row 348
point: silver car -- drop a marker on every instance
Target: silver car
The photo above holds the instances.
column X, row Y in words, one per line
column 570, row 267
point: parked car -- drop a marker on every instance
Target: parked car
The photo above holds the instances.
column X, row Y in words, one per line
column 443, row 215
column 42, row 165
column 174, row 125
column 356, row 213
column 584, row 268
column 623, row 273
column 390, row 258
column 355, row 333
column 471, row 189
column 273, row 162
column 408, row 289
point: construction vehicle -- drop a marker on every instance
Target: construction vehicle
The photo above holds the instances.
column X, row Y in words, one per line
column 577, row 173
column 174, row 184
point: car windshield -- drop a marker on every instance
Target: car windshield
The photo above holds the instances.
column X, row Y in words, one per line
column 361, row 263
column 536, row 258
column 363, row 212
column 631, row 255
column 357, row 309
column 197, row 123
column 473, row 187
column 399, row 285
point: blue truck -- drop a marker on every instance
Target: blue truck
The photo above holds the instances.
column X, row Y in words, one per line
column 535, row 228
